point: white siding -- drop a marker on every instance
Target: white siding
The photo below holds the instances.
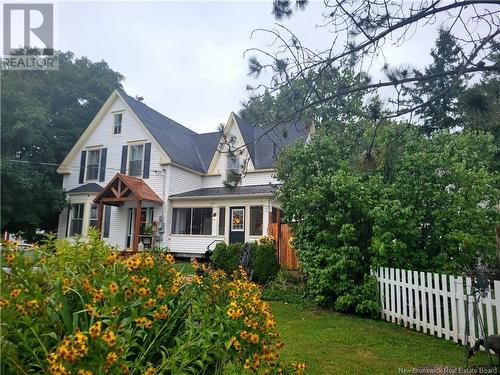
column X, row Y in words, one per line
column 258, row 178
column 181, row 180
column 103, row 136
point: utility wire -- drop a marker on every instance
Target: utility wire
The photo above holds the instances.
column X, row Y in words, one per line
column 76, row 167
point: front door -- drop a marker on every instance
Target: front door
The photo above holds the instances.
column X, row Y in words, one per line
column 237, row 225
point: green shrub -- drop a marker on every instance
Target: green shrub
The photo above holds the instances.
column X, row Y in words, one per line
column 263, row 262
column 288, row 287
column 227, row 257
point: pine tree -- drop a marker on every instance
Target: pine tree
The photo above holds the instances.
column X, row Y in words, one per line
column 442, row 112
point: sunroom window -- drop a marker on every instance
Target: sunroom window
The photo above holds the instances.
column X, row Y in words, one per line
column 76, row 219
column 94, row 209
column 93, row 164
column 256, row 220
column 195, row 221
column 136, row 160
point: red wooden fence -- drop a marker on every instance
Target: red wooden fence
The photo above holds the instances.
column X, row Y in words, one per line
column 281, row 233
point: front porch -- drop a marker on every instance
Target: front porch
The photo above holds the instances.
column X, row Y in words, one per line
column 199, row 219
column 136, row 202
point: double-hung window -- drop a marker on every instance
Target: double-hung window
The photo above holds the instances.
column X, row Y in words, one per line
column 136, row 160
column 196, row 221
column 94, row 209
column 76, row 219
column 233, row 164
column 117, row 123
column 93, row 159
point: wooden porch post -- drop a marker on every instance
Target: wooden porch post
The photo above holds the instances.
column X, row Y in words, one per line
column 99, row 218
column 137, row 226
column 278, row 233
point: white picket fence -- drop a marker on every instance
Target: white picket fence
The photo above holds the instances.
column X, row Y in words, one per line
column 437, row 304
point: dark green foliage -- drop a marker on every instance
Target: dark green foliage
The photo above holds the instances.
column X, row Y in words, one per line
column 263, row 262
column 227, row 257
column 443, row 112
column 425, row 204
column 289, row 287
column 43, row 114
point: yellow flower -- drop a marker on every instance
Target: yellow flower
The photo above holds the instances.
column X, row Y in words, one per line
column 4, row 303
column 254, row 338
column 143, row 292
column 10, row 257
column 98, row 295
column 111, row 358
column 113, row 287
column 160, row 292
column 15, row 293
column 149, row 371
column 84, row 372
column 143, row 322
column 109, row 338
column 86, row 284
column 91, row 310
column 169, row 258
column 95, row 329
column 149, row 303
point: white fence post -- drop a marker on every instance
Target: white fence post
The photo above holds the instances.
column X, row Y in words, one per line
column 437, row 304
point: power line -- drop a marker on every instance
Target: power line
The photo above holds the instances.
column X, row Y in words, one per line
column 76, row 167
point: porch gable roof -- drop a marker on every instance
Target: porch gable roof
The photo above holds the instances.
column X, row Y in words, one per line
column 124, row 188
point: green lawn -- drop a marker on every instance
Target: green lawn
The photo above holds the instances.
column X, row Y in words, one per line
column 333, row 343
column 184, row 267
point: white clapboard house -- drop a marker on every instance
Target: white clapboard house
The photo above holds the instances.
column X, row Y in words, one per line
column 140, row 177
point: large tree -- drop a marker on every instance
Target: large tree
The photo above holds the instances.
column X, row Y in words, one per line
column 443, row 112
column 355, row 33
column 43, row 114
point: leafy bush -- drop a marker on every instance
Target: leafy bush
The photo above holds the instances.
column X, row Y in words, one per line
column 227, row 257
column 425, row 203
column 136, row 314
column 263, row 262
column 287, row 287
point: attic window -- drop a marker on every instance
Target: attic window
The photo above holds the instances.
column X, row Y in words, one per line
column 117, row 119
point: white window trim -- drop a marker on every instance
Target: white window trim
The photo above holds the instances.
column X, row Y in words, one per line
column 114, row 113
column 98, row 164
column 242, row 215
column 129, row 154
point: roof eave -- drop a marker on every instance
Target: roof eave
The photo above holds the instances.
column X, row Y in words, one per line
column 226, row 196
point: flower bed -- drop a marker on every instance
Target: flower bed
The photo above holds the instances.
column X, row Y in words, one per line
column 81, row 309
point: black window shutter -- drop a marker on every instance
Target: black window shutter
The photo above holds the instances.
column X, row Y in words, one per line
column 102, row 170
column 82, row 167
column 147, row 160
column 123, row 168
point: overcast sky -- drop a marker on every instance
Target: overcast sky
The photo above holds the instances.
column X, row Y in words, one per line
column 186, row 58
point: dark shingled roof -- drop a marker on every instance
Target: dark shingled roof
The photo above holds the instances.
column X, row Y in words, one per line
column 263, row 145
column 224, row 191
column 91, row 187
column 195, row 151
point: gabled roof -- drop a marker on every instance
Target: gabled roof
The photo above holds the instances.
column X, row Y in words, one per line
column 91, row 187
column 123, row 188
column 263, row 144
column 195, row 151
column 254, row 190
